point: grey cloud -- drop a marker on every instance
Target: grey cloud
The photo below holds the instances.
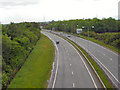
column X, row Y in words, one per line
column 11, row 3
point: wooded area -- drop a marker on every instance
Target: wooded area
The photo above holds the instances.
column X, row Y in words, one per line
column 101, row 25
column 18, row 40
column 106, row 30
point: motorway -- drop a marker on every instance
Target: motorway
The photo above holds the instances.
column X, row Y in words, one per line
column 106, row 58
column 72, row 70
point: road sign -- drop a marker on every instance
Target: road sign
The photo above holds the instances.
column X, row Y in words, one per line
column 78, row 31
column 41, row 27
column 53, row 29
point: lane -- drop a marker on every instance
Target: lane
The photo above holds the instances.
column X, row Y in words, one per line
column 72, row 72
column 107, row 58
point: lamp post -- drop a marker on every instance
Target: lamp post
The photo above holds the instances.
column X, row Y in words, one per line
column 64, row 25
column 51, row 26
column 75, row 30
column 88, row 33
column 63, row 28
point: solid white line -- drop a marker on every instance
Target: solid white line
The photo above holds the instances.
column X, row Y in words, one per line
column 72, row 73
column 111, row 59
column 83, row 63
column 105, row 67
column 56, row 68
column 73, row 85
column 57, row 60
column 100, row 63
column 100, row 46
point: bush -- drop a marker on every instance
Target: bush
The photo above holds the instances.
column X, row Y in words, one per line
column 5, row 78
column 116, row 43
column 17, row 42
column 92, row 34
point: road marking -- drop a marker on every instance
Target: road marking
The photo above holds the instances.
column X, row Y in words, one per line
column 70, row 64
column 101, row 64
column 72, row 73
column 57, row 60
column 73, row 84
column 111, row 59
column 101, row 47
column 56, row 68
column 83, row 63
column 105, row 68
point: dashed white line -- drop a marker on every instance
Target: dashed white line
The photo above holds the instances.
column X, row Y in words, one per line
column 105, row 67
column 73, row 85
column 83, row 63
column 111, row 59
column 72, row 73
column 101, row 63
column 102, row 47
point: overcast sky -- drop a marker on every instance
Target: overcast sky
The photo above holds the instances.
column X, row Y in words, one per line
column 47, row 10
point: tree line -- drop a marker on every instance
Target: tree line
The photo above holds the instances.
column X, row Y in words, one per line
column 101, row 25
column 106, row 30
column 112, row 39
column 18, row 39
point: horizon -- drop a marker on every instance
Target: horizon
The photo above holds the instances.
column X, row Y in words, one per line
column 47, row 10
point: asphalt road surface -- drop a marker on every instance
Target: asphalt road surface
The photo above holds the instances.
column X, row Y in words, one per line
column 72, row 70
column 105, row 57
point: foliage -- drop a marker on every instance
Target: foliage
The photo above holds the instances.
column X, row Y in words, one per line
column 17, row 41
column 37, row 68
column 106, row 30
column 101, row 25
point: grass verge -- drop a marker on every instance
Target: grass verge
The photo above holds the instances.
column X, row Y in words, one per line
column 100, row 72
column 37, row 68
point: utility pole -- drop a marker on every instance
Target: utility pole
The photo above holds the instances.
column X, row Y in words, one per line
column 88, row 34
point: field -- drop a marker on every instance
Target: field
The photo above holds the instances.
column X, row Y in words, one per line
column 37, row 68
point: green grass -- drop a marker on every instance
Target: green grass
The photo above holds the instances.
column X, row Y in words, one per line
column 37, row 68
column 100, row 72
column 100, row 42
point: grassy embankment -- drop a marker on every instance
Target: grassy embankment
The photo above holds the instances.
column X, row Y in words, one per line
column 37, row 68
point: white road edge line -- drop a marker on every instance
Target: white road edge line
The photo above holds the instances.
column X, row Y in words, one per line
column 56, row 70
column 94, row 69
column 56, row 67
column 83, row 63
column 73, row 85
column 57, row 60
column 100, row 63
column 111, row 59
column 101, row 46
column 72, row 73
column 106, row 68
